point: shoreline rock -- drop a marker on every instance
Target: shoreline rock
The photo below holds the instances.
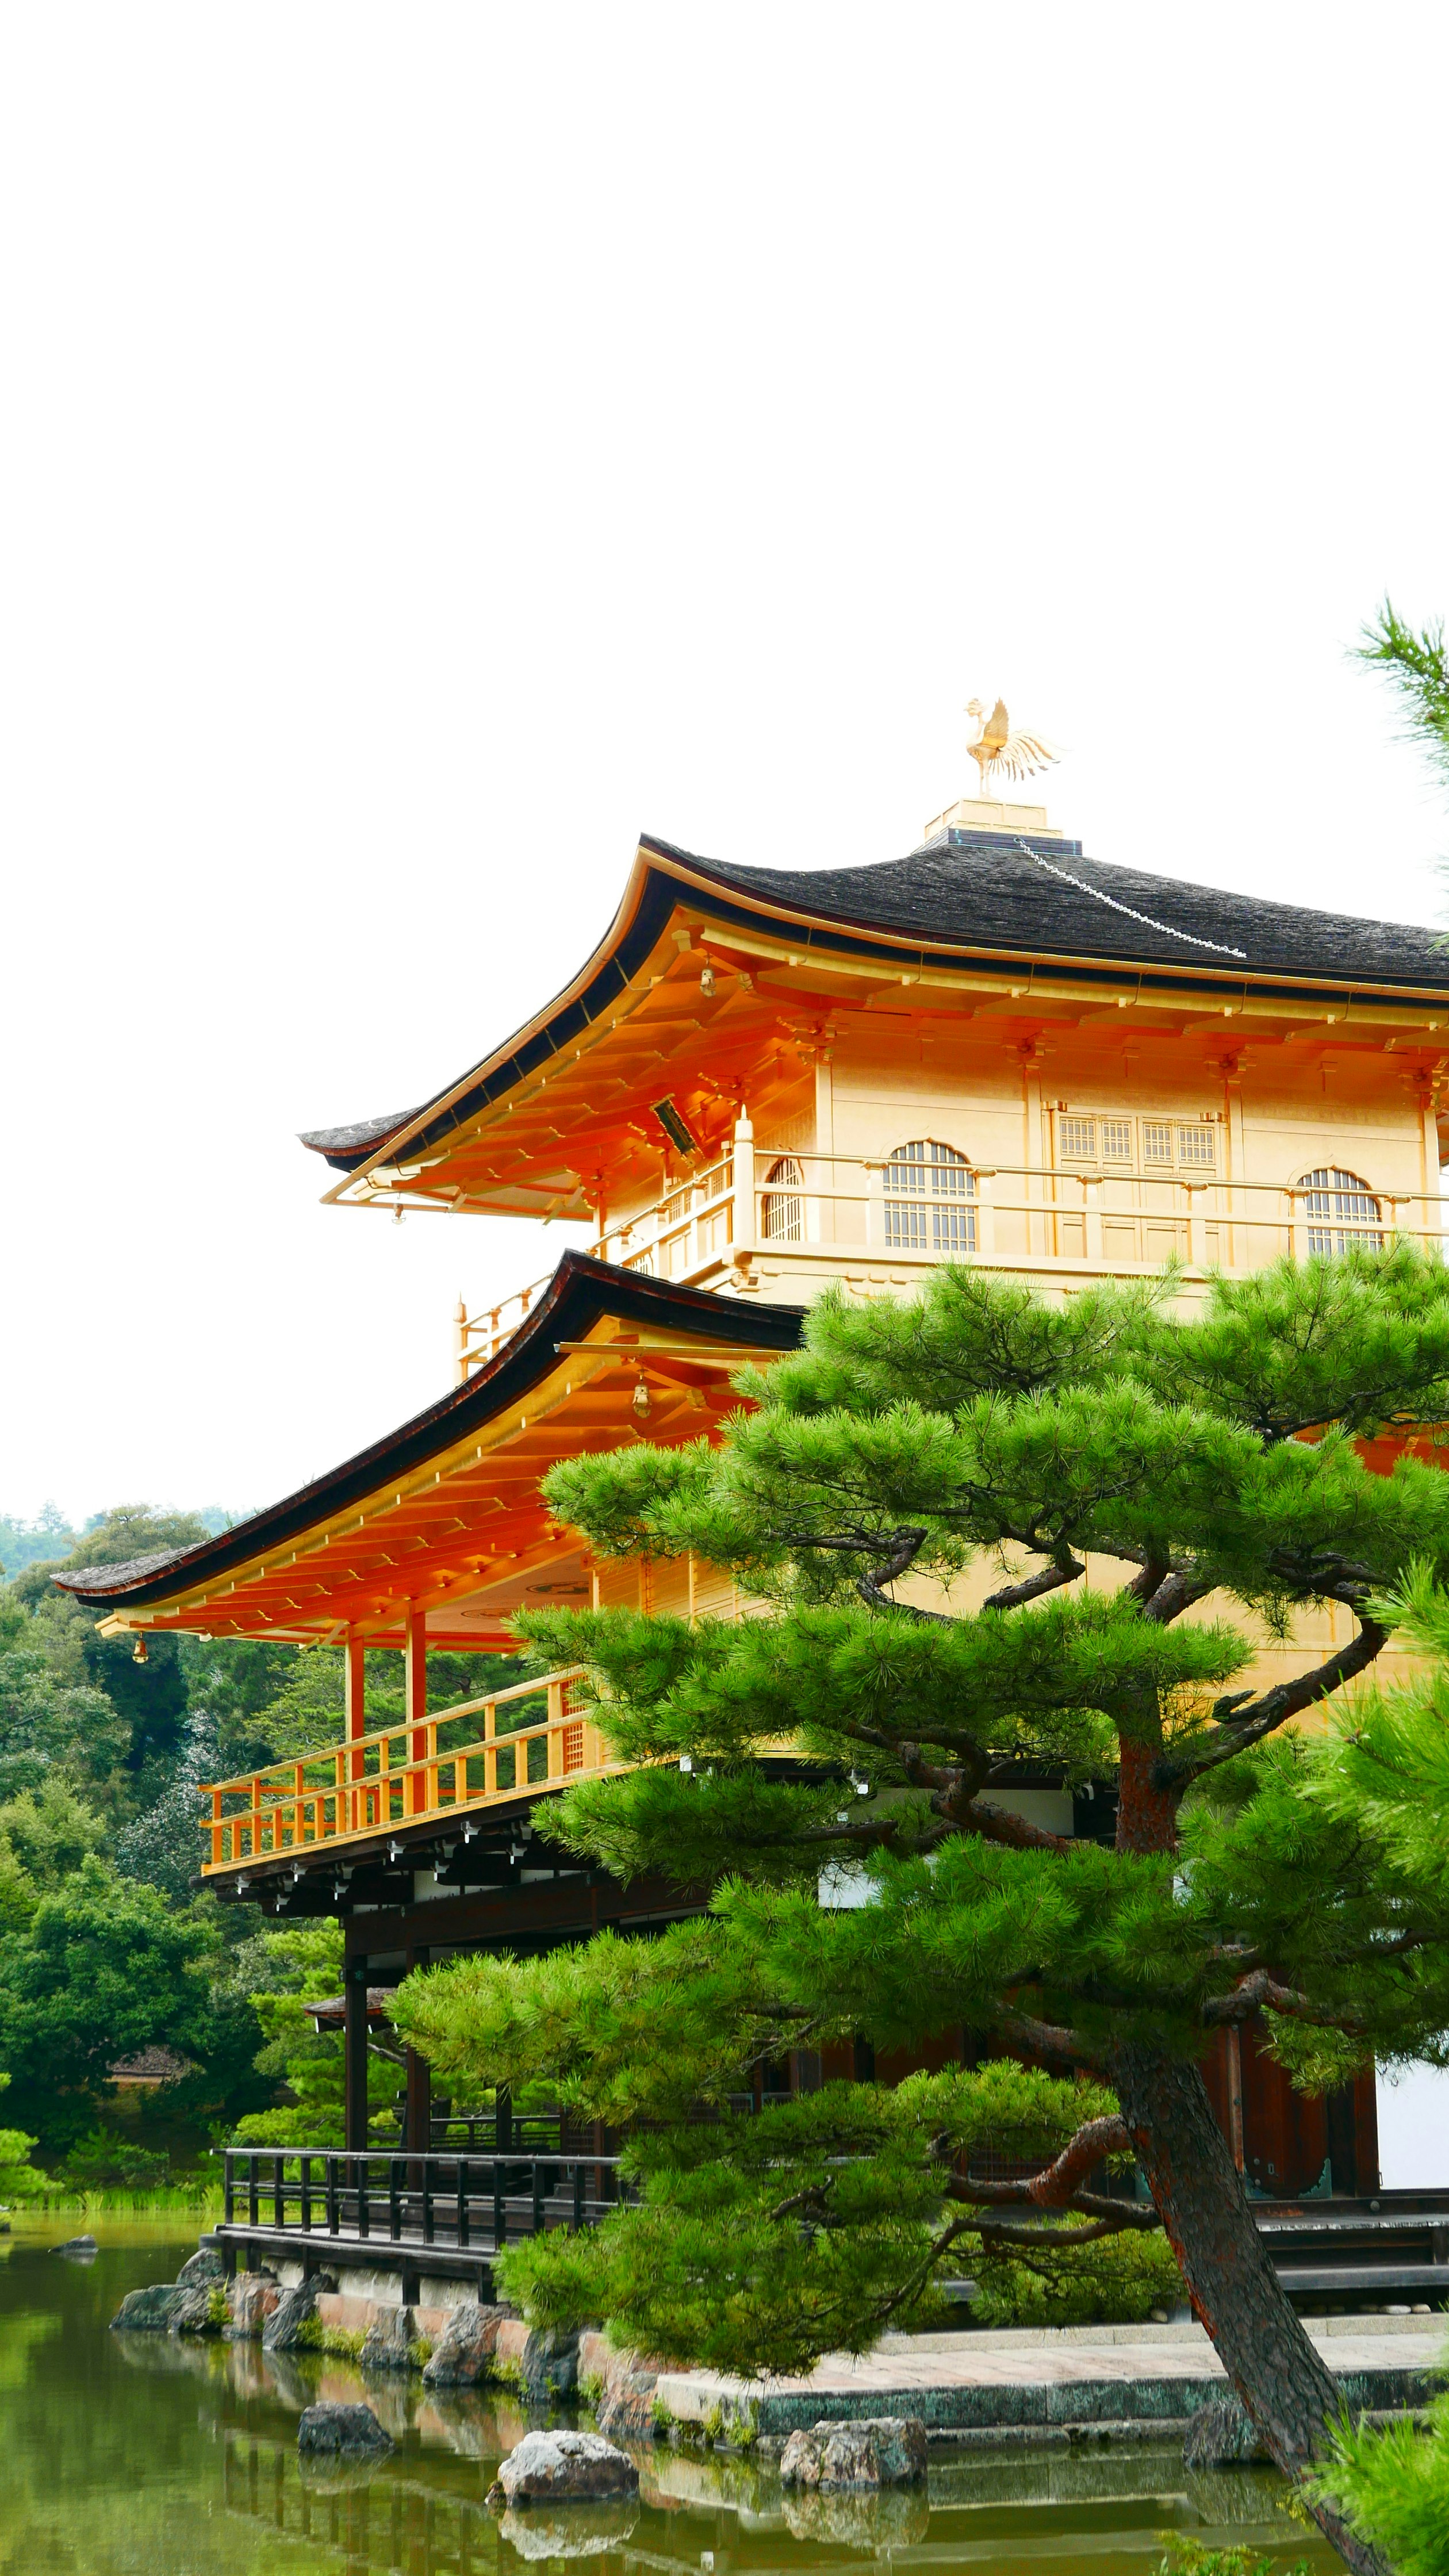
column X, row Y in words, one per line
column 862, row 2451
column 463, row 2356
column 295, row 2309
column 335, row 2432
column 563, row 2468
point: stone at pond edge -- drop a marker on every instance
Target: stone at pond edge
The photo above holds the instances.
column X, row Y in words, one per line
column 387, row 2344
column 250, row 2299
column 77, row 2245
column 560, row 2468
column 1222, row 2435
column 550, row 2366
column 625, row 2412
column 295, row 2309
column 463, row 2354
column 204, row 2265
column 864, row 2451
column 148, row 2311
column 192, row 2314
column 330, row 2430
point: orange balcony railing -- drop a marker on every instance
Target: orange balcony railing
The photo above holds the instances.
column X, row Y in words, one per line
column 445, row 1765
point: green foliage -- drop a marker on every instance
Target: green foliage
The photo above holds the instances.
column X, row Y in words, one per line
column 1416, row 664
column 105, row 2160
column 836, row 1772
column 42, row 1540
column 1119, row 2280
column 760, row 2242
column 50, row 1723
column 286, row 1971
column 101, row 1755
column 102, row 1969
column 19, row 2178
column 1393, row 2485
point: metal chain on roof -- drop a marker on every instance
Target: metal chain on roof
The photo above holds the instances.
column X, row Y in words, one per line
column 1144, row 917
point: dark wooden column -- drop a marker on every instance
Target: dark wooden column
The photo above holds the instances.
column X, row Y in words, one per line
column 354, row 1989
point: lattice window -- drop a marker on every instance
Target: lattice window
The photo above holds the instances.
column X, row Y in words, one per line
column 784, row 1210
column 573, row 1745
column 1341, row 1212
column 1116, row 1140
column 928, row 1193
column 1197, row 1144
column 1156, row 1140
column 1078, row 1139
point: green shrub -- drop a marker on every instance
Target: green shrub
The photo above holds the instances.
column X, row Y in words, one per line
column 1117, row 2282
column 1393, row 2485
column 104, row 2160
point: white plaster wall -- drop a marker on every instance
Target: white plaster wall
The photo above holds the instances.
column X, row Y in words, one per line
column 1414, row 2129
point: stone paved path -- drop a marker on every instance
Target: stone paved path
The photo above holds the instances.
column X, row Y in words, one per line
column 1128, row 2375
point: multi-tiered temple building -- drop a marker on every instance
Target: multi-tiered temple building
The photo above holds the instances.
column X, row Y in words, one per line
column 994, row 1051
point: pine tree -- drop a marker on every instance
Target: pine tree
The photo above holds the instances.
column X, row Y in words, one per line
column 826, row 1770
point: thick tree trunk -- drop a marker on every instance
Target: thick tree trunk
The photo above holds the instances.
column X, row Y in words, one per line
column 1281, row 2379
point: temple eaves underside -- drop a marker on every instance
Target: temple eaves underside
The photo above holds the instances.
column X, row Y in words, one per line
column 710, row 976
column 442, row 1522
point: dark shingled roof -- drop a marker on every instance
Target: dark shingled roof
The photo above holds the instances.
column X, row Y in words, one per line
column 106, row 1578
column 364, row 1131
column 998, row 889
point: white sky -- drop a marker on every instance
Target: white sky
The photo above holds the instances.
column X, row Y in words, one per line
column 439, row 442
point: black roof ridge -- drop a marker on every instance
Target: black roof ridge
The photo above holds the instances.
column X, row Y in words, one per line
column 1048, row 845
column 579, row 1293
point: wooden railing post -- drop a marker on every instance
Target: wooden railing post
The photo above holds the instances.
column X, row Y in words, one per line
column 746, row 1226
column 415, row 1706
column 1196, row 1232
column 985, row 1214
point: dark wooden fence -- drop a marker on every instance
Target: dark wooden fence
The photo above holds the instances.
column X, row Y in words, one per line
column 458, row 2200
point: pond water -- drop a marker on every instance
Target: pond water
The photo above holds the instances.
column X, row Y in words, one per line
column 122, row 2454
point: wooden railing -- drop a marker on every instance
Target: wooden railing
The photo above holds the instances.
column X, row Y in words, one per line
column 793, row 1202
column 396, row 2198
column 443, row 1765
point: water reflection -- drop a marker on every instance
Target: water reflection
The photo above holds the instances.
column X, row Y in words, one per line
column 178, row 2458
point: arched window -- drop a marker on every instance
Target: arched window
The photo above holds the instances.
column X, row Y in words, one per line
column 929, row 1189
column 1340, row 1212
column 784, row 1211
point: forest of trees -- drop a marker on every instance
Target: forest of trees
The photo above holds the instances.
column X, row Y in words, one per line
column 109, row 1943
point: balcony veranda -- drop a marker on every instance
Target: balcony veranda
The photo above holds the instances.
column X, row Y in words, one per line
column 460, row 1762
column 803, row 1215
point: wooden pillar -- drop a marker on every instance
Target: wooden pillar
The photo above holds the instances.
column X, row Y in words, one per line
column 354, row 2042
column 354, row 1694
column 415, row 1703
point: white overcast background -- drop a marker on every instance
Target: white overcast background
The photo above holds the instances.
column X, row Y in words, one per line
column 437, row 443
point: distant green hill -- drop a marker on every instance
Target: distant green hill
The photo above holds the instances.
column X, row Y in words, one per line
column 25, row 1543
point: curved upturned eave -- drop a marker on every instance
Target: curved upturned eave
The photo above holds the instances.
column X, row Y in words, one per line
column 659, row 874
column 580, row 1294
